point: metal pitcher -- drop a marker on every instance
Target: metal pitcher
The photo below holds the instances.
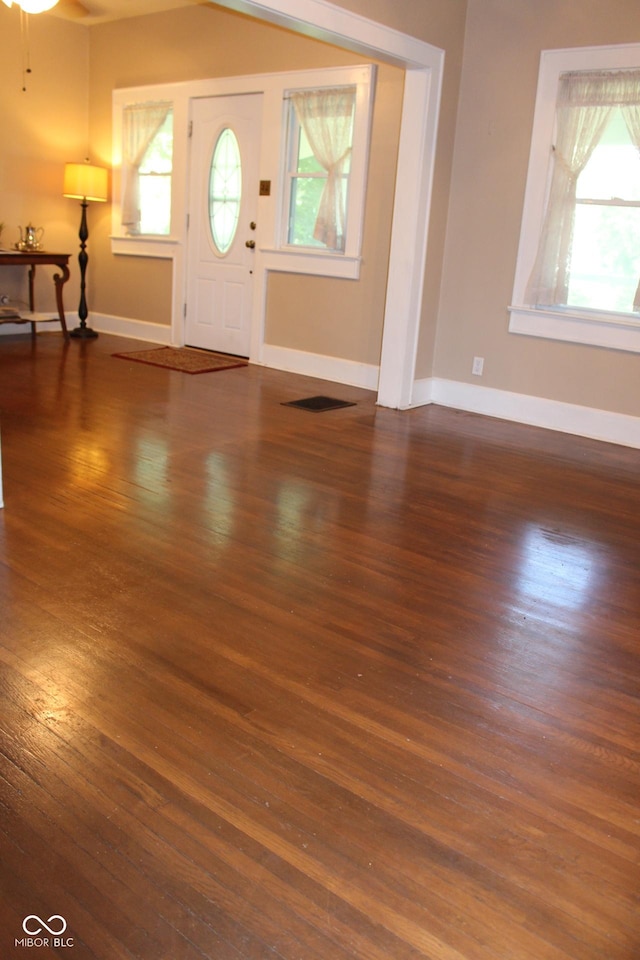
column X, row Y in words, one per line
column 32, row 239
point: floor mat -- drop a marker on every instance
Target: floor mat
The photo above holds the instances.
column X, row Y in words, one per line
column 184, row 359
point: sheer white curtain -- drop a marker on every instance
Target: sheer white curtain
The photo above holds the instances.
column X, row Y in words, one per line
column 584, row 105
column 326, row 116
column 140, row 123
column 631, row 114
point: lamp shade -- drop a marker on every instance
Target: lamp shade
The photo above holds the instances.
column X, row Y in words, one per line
column 84, row 181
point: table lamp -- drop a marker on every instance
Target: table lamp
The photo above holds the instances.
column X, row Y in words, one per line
column 84, row 182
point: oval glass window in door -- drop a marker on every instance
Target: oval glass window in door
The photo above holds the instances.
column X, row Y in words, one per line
column 225, row 190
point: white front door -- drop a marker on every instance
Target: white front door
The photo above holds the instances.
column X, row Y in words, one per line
column 223, row 208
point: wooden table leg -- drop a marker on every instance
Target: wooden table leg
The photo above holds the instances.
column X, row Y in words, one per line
column 32, row 277
column 60, row 280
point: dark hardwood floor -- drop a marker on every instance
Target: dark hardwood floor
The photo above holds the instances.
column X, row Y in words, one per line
column 279, row 685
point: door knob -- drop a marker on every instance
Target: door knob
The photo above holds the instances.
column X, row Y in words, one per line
column 250, row 243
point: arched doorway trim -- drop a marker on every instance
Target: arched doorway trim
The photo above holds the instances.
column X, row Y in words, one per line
column 424, row 66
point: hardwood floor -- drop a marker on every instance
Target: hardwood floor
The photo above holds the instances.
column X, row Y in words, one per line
column 357, row 685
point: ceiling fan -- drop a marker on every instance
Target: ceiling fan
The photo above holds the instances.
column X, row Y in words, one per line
column 72, row 8
column 68, row 8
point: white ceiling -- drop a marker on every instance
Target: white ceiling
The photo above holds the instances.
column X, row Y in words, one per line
column 89, row 12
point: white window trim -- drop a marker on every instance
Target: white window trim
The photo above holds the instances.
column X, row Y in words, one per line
column 143, row 245
column 363, row 78
column 598, row 328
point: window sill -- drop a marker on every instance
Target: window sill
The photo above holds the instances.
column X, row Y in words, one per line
column 313, row 262
column 161, row 247
column 618, row 331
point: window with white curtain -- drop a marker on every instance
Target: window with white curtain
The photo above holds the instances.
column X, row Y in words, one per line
column 326, row 156
column 578, row 275
column 147, row 150
column 154, row 178
column 320, row 143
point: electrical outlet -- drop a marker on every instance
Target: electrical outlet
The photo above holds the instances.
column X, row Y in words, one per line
column 478, row 366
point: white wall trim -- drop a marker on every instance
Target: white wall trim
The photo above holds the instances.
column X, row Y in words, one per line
column 615, row 331
column 408, row 253
column 536, row 411
column 132, row 329
column 300, row 362
column 314, row 265
column 421, row 394
column 103, row 323
column 325, row 21
column 11, row 329
column 322, row 367
column 416, row 160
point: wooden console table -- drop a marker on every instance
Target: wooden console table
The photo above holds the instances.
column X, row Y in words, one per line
column 33, row 259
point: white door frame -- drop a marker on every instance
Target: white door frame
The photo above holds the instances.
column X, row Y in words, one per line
column 424, row 65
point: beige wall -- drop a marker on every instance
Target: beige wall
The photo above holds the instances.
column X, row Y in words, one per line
column 204, row 42
column 42, row 127
column 441, row 23
column 501, row 57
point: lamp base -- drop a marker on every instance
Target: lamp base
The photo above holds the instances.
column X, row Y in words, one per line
column 83, row 333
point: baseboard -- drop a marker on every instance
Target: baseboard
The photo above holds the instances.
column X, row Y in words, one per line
column 535, row 411
column 322, row 367
column 103, row 323
column 279, row 358
column 520, row 408
column 133, row 329
column 10, row 329
column 422, row 392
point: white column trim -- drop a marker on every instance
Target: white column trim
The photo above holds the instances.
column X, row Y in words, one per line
column 421, row 105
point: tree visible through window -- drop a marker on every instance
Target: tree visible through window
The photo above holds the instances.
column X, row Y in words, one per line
column 321, row 126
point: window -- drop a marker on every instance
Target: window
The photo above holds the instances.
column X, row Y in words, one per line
column 154, row 177
column 327, row 129
column 578, row 274
column 225, row 190
column 147, row 150
column 604, row 266
column 320, row 143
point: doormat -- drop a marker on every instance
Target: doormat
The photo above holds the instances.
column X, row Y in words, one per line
column 184, row 359
column 318, row 404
